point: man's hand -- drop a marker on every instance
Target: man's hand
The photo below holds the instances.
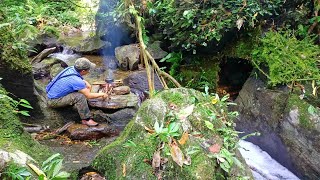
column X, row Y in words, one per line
column 90, row 95
column 105, row 96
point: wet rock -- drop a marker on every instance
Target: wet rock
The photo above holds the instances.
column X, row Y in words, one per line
column 115, row 102
column 17, row 157
column 83, row 132
column 138, row 80
column 43, row 54
column 55, row 69
column 289, row 134
column 119, row 118
column 155, row 50
column 90, row 45
column 43, row 68
column 121, row 90
column 128, row 57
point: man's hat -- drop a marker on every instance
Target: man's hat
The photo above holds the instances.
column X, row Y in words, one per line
column 84, row 64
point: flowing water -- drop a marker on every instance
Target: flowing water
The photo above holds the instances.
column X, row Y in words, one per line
column 263, row 167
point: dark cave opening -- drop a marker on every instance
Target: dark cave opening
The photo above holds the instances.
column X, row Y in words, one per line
column 232, row 75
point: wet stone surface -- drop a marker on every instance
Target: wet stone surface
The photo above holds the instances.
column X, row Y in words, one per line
column 77, row 154
column 83, row 132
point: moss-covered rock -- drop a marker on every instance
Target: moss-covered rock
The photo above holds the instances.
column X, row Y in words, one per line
column 131, row 156
column 300, row 130
column 289, row 126
column 202, row 71
column 12, row 136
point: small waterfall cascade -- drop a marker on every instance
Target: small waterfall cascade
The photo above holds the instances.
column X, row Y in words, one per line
column 263, row 167
column 66, row 55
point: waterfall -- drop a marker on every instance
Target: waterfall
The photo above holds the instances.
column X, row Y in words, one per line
column 66, row 55
column 263, row 167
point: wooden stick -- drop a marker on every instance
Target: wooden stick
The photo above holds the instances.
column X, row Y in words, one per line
column 146, row 57
column 37, row 171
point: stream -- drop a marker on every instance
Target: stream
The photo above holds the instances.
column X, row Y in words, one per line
column 262, row 165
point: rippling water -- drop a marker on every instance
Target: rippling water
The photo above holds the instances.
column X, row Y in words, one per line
column 263, row 167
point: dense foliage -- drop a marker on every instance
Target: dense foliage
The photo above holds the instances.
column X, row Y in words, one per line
column 23, row 21
column 192, row 24
column 287, row 58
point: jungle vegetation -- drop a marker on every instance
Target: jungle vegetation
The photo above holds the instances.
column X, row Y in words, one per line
column 279, row 37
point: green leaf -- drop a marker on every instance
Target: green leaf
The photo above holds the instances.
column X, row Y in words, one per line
column 61, row 175
column 41, row 177
column 312, row 110
column 25, row 102
column 209, row 124
column 225, row 166
column 49, row 160
column 25, row 113
column 24, row 172
column 238, row 163
column 166, row 58
column 4, row 25
column 129, row 143
column 157, row 127
column 26, row 106
column 57, row 168
column 173, row 127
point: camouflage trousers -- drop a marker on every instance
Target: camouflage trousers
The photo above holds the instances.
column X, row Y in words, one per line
column 75, row 99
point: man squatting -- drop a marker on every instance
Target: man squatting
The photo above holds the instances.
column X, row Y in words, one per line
column 69, row 88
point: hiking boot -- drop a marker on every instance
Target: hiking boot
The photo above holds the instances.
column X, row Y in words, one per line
column 89, row 122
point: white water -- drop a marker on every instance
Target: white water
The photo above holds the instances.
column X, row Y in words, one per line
column 66, row 55
column 263, row 167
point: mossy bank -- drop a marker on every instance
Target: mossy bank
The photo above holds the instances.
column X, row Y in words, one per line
column 148, row 147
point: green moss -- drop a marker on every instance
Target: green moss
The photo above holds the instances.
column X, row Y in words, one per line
column 25, row 143
column 14, row 59
column 302, row 106
column 135, row 156
column 244, row 46
column 203, row 71
column 12, row 136
column 117, row 156
column 175, row 98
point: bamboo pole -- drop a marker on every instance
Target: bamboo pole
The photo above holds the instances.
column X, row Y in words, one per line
column 150, row 64
column 37, row 171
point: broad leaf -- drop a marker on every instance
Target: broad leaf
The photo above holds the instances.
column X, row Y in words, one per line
column 25, row 113
column 173, row 127
column 26, row 106
column 57, row 168
column 25, row 101
column 176, row 154
column 209, row 124
column 184, row 138
column 157, row 127
column 184, row 113
column 50, row 159
column 61, row 176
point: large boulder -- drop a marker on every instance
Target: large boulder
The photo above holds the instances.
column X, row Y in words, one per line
column 128, row 56
column 178, row 134
column 288, row 132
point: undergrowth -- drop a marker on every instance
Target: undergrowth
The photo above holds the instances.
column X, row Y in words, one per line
column 287, row 58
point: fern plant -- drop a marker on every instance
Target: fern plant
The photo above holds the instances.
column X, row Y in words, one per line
column 287, row 58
